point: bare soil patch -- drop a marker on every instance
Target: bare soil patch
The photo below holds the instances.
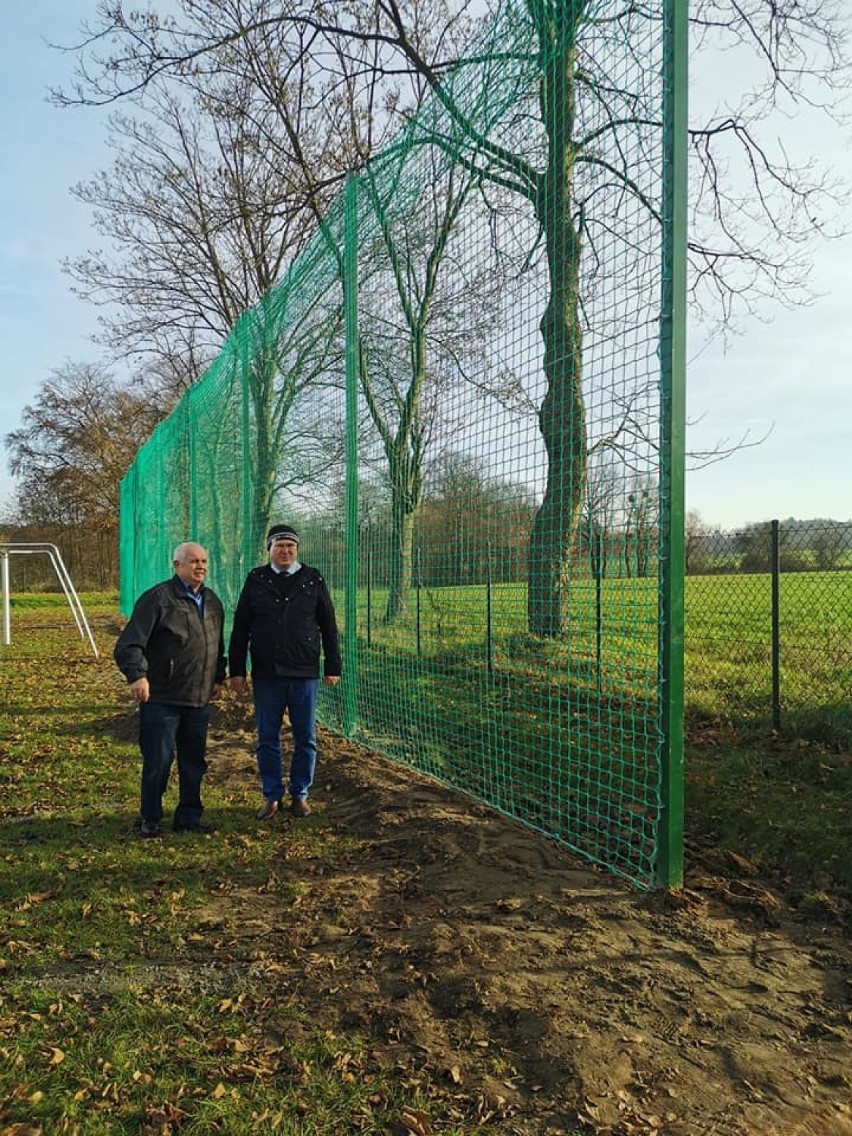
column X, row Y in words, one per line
column 497, row 971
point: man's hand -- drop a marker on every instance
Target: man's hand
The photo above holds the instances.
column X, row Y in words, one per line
column 238, row 684
column 331, row 680
column 139, row 690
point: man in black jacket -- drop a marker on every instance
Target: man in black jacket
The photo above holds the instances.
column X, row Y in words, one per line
column 283, row 614
column 172, row 653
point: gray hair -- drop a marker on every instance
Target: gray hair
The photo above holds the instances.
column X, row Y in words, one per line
column 179, row 551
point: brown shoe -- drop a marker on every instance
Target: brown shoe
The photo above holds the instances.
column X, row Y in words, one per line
column 299, row 807
column 269, row 809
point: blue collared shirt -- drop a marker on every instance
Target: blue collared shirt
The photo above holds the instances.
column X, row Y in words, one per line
column 196, row 597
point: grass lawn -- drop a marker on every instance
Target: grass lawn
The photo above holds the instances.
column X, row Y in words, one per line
column 86, row 1047
column 84, row 900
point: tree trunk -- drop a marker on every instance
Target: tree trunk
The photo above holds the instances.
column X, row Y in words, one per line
column 562, row 416
column 403, row 507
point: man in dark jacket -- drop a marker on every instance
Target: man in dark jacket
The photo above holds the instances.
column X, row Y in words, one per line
column 283, row 613
column 172, row 653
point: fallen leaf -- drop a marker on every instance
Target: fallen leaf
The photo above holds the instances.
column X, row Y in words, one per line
column 416, row 1121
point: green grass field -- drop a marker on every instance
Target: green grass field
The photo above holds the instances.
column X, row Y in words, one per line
column 727, row 643
column 564, row 736
column 728, row 652
column 84, row 899
column 121, row 1011
column 595, row 699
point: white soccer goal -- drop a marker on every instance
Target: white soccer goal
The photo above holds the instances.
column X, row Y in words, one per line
column 8, row 550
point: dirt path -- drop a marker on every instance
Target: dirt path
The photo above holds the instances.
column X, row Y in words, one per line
column 497, row 971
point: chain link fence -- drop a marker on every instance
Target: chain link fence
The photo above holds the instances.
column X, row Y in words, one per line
column 768, row 627
column 764, row 649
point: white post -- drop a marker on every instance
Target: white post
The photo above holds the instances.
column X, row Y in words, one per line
column 64, row 579
column 7, row 622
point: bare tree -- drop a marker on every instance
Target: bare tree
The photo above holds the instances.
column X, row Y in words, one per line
column 829, row 546
column 209, row 202
column 748, row 238
column 411, row 341
column 199, row 224
column 602, row 509
column 695, row 547
column 202, row 221
column 419, row 341
column 473, row 525
column 77, row 440
column 640, row 531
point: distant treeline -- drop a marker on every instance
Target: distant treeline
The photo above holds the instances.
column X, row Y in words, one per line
column 803, row 546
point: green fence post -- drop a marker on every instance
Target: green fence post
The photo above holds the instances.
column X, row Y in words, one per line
column 489, row 631
column 350, row 305
column 418, row 568
column 673, row 428
column 248, row 551
column 369, row 586
column 191, row 529
column 127, row 507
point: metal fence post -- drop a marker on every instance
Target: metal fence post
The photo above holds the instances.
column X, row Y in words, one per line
column 669, row 867
column 418, row 569
column 369, row 588
column 489, row 634
column 775, row 573
column 350, row 305
column 248, row 550
column 599, row 611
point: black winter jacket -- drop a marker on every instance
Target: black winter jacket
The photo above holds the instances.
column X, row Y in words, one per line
column 165, row 641
column 281, row 620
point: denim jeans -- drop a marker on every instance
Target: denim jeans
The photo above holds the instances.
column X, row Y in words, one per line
column 298, row 698
column 166, row 731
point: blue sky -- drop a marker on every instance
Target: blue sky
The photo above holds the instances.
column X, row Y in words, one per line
column 45, row 151
column 790, row 376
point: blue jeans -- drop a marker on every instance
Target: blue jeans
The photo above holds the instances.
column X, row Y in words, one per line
column 166, row 731
column 298, row 697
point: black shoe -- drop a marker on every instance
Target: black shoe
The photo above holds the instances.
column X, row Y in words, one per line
column 149, row 828
column 299, row 807
column 196, row 826
column 267, row 810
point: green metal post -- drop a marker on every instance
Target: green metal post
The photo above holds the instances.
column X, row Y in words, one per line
column 127, row 506
column 350, row 304
column 489, row 630
column 191, row 529
column 418, row 566
column 672, row 441
column 248, row 551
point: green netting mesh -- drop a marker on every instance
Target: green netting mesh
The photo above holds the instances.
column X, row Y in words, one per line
column 458, row 393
